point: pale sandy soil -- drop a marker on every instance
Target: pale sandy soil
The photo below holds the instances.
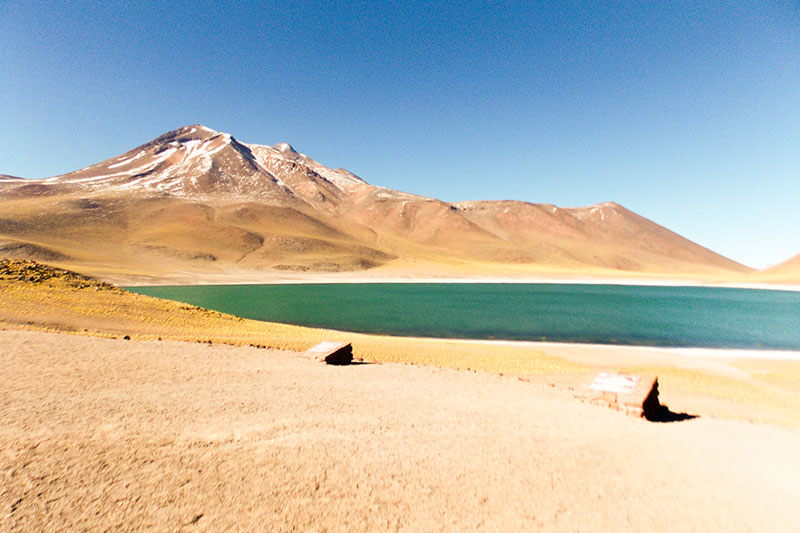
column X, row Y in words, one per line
column 112, row 434
column 403, row 271
column 430, row 275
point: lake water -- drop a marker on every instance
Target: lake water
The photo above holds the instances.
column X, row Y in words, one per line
column 604, row 314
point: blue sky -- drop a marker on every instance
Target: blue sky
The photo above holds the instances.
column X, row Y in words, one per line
column 686, row 112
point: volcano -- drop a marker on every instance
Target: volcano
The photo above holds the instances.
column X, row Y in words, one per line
column 196, row 201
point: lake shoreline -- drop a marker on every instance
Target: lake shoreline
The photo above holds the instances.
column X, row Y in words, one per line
column 347, row 279
column 761, row 324
column 560, row 348
column 755, row 386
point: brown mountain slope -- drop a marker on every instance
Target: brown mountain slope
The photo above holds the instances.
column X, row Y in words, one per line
column 787, row 272
column 194, row 201
column 605, row 235
column 790, row 265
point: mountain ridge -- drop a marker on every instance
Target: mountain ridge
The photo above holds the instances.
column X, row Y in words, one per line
column 787, row 272
column 199, row 199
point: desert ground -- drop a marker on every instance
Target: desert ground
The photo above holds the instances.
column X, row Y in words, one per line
column 114, row 434
column 204, row 420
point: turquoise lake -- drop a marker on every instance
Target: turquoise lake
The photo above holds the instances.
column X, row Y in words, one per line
column 604, row 314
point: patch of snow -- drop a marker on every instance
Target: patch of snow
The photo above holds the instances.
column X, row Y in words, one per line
column 196, row 148
column 90, row 178
column 222, row 145
column 339, row 179
column 278, row 180
column 191, row 145
column 267, row 157
column 261, row 158
column 128, row 161
column 161, row 157
column 285, row 148
column 159, row 182
column 383, row 192
column 598, row 210
column 130, row 172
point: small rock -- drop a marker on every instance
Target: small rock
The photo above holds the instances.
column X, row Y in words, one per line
column 332, row 353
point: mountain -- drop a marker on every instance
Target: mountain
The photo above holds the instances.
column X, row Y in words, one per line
column 196, row 201
column 787, row 272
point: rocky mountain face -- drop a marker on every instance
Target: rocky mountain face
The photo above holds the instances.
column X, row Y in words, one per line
column 195, row 199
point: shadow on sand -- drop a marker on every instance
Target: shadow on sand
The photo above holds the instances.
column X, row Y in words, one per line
column 663, row 414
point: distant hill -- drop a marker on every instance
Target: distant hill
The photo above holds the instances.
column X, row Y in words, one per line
column 787, row 272
column 195, row 200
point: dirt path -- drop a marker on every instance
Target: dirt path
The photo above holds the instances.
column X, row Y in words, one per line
column 102, row 434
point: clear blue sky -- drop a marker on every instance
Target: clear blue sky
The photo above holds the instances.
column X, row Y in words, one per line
column 685, row 112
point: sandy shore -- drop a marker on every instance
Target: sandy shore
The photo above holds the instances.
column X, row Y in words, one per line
column 428, row 275
column 102, row 433
column 617, row 354
column 380, row 276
